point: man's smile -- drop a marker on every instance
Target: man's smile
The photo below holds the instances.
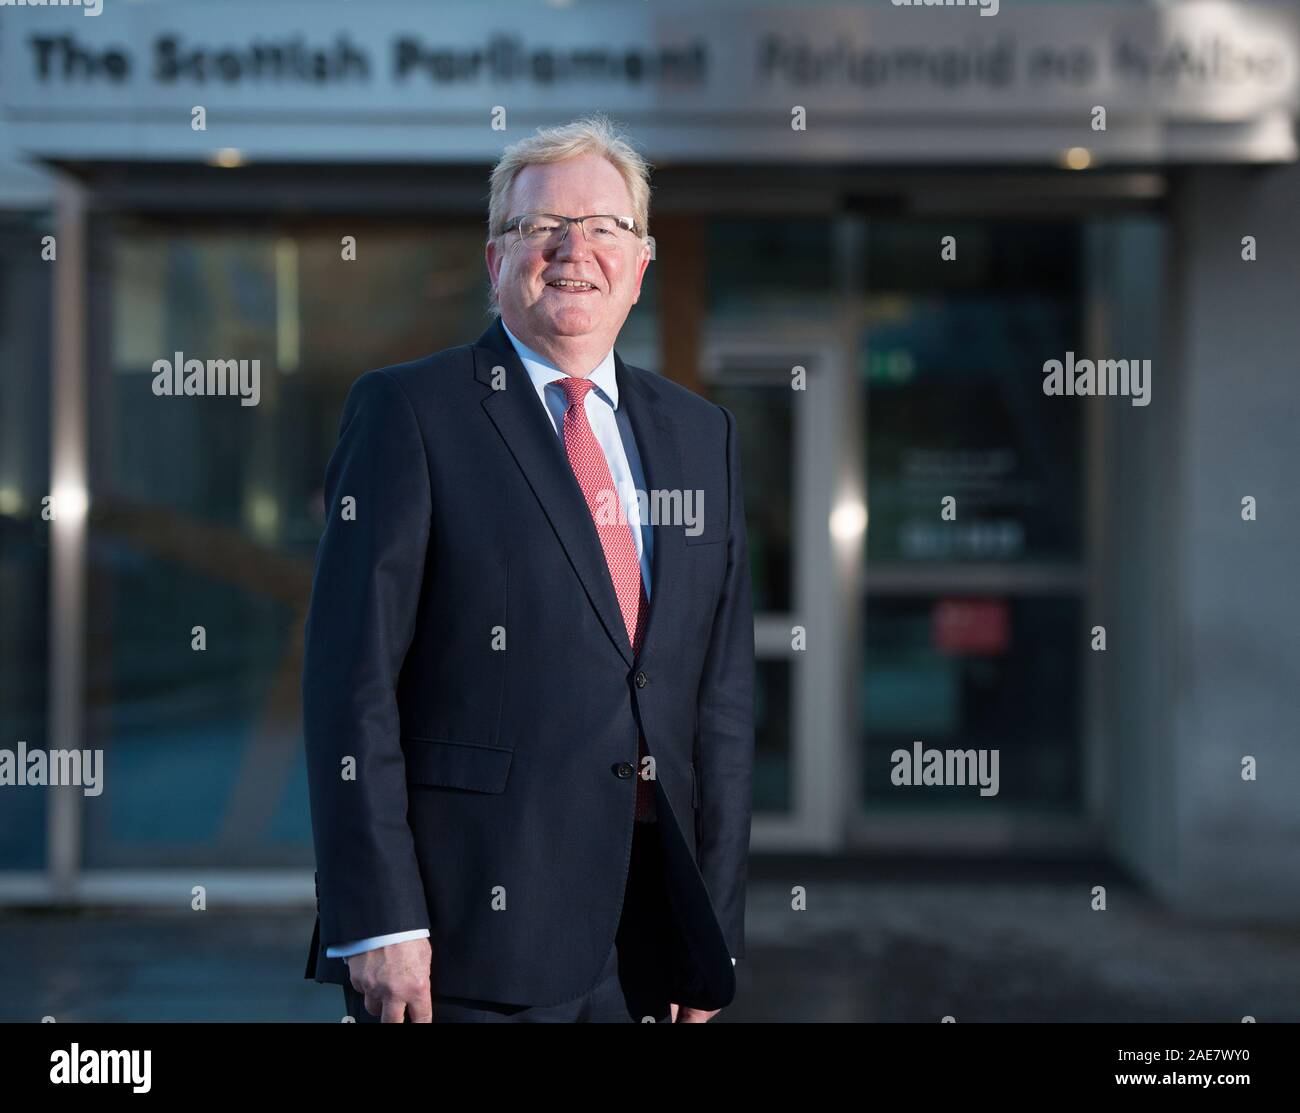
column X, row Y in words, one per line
column 571, row 286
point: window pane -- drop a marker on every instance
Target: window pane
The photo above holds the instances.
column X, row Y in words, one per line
column 1004, row 677
column 206, row 513
column 765, row 419
column 24, row 535
column 952, row 364
column 773, row 787
column 763, row 269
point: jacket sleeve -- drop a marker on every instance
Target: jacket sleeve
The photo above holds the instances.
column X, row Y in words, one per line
column 365, row 593
column 725, row 733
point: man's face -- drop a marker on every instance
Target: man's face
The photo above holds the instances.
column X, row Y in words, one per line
column 583, row 186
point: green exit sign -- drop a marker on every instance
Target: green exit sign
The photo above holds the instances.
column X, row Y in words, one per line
column 890, row 367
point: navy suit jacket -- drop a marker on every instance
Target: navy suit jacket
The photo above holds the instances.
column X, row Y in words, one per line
column 487, row 793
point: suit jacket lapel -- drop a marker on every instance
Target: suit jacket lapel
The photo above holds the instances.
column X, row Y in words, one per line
column 526, row 428
column 660, row 458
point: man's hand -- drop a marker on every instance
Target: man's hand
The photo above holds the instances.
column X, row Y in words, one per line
column 691, row 1016
column 394, row 981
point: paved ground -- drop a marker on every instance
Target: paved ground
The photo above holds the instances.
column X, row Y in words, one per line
column 876, row 942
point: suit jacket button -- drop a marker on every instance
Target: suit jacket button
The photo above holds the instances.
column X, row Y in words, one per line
column 624, row 769
column 642, row 680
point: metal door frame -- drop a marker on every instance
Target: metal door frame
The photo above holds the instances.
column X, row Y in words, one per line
column 817, row 728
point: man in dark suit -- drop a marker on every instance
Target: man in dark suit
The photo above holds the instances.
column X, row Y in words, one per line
column 528, row 680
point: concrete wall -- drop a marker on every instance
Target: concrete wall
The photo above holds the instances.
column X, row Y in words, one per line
column 1133, row 565
column 1205, row 659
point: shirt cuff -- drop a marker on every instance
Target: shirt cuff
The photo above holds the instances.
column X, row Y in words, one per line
column 346, row 950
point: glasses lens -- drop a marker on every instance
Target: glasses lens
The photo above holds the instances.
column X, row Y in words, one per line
column 602, row 228
column 537, row 229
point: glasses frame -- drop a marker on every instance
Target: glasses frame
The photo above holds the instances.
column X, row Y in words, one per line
column 627, row 223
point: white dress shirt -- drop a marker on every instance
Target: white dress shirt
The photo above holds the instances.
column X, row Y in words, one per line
column 613, row 433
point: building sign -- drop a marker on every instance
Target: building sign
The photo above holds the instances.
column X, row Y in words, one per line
column 914, row 83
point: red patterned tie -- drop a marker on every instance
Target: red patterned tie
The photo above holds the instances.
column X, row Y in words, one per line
column 592, row 472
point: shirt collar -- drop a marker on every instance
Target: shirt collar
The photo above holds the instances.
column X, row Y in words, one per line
column 542, row 371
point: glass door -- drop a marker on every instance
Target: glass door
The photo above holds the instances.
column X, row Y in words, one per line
column 974, row 595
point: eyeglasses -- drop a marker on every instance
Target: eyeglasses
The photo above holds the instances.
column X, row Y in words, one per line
column 545, row 231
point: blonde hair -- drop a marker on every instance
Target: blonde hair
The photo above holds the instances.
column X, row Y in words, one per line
column 595, row 134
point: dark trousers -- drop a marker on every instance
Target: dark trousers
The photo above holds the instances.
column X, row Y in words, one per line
column 636, row 980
